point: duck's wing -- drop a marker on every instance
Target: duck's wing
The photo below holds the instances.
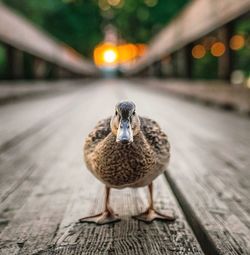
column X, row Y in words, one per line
column 156, row 138
column 100, row 131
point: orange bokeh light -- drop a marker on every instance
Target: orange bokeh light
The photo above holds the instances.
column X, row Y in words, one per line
column 198, row 51
column 141, row 49
column 237, row 42
column 218, row 49
column 127, row 52
column 107, row 54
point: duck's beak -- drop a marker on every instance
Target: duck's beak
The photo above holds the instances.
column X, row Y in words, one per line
column 124, row 133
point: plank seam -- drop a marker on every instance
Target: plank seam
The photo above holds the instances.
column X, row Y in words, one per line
column 26, row 175
column 206, row 243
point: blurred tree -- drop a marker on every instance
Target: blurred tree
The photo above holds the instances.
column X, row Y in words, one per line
column 76, row 23
column 80, row 23
column 205, row 68
column 139, row 21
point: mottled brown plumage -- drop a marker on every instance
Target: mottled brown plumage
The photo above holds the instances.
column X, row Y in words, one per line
column 126, row 150
column 127, row 165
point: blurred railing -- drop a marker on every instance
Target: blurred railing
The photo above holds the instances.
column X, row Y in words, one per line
column 198, row 19
column 19, row 35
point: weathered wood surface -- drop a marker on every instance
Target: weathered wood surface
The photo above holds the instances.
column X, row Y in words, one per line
column 216, row 93
column 45, row 188
column 198, row 18
column 13, row 27
column 209, row 171
column 11, row 91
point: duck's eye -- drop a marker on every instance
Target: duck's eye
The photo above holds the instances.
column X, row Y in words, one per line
column 116, row 113
column 133, row 113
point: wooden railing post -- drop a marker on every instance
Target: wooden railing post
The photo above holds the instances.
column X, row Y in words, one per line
column 175, row 65
column 157, row 69
column 225, row 62
column 9, row 62
column 14, row 63
column 188, row 61
column 39, row 68
column 50, row 71
column 28, row 66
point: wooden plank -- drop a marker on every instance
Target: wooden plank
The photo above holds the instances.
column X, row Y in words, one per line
column 209, row 171
column 216, row 93
column 12, row 91
column 12, row 29
column 18, row 171
column 40, row 215
column 33, row 126
column 199, row 18
column 46, row 222
column 128, row 236
column 30, row 115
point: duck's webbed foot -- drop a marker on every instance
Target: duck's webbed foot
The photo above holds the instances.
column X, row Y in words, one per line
column 105, row 217
column 151, row 214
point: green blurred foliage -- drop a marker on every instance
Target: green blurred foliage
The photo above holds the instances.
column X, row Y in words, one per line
column 80, row 23
column 2, row 60
column 206, row 67
column 76, row 23
column 137, row 21
column 242, row 56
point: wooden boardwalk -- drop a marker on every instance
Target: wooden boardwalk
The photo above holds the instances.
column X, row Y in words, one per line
column 45, row 187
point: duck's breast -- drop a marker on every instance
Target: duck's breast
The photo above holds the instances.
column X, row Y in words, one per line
column 131, row 165
column 120, row 165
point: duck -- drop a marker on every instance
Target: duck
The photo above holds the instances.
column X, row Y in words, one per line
column 126, row 151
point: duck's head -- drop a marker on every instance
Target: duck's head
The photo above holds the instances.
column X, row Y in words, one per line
column 125, row 123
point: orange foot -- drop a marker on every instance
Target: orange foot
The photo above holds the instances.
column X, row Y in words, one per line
column 105, row 217
column 151, row 214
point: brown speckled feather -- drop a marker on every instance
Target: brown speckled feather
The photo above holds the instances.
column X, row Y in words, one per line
column 100, row 131
column 131, row 165
column 157, row 139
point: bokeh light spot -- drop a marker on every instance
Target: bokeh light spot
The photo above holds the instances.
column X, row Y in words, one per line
column 237, row 42
column 106, row 54
column 110, row 56
column 103, row 5
column 218, row 49
column 237, row 77
column 198, row 51
column 151, row 3
column 114, row 2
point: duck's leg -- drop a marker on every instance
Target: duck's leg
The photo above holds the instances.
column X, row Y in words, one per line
column 151, row 213
column 105, row 217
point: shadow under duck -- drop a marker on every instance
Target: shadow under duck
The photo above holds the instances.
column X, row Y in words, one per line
column 126, row 150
